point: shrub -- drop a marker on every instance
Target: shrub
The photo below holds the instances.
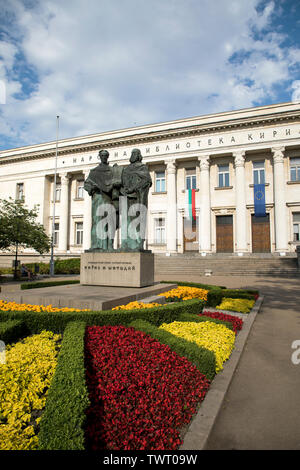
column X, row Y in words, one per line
column 214, row 297
column 57, row 321
column 237, row 294
column 193, row 284
column 43, row 267
column 202, row 358
column 12, row 330
column 66, row 266
column 62, row 423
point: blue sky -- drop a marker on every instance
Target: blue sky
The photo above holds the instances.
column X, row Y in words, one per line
column 109, row 64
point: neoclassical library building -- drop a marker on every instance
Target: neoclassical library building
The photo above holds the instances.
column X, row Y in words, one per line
column 221, row 183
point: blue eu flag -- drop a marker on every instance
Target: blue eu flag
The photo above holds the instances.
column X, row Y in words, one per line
column 259, row 200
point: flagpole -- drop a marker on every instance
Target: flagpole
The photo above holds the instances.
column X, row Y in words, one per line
column 54, row 198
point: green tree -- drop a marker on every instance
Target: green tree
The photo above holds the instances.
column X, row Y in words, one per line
column 20, row 229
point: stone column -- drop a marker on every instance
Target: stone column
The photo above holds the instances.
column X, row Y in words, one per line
column 64, row 213
column 240, row 200
column 172, row 207
column 281, row 238
column 87, row 217
column 205, row 218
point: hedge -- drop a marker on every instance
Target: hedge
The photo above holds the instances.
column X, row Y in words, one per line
column 66, row 266
column 202, row 358
column 193, row 284
column 57, row 321
column 62, row 423
column 36, row 285
column 238, row 294
column 12, row 330
column 214, row 297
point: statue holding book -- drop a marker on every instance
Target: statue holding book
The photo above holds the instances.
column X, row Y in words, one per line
column 119, row 193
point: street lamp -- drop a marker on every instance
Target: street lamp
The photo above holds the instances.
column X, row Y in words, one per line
column 54, row 198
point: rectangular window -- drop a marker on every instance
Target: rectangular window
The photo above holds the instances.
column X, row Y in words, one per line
column 223, row 176
column 160, row 231
column 56, row 234
column 79, row 189
column 296, row 226
column 78, row 233
column 20, row 191
column 57, row 192
column 295, row 169
column 259, row 172
column 160, row 182
column 190, row 179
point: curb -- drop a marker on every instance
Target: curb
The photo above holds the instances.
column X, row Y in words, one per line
column 198, row 433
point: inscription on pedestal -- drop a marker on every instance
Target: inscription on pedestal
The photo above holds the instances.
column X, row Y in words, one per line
column 117, row 269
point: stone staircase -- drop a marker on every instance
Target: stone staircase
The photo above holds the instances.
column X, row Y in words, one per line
column 223, row 264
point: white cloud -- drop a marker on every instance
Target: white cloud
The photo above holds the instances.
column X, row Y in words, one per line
column 103, row 65
column 296, row 90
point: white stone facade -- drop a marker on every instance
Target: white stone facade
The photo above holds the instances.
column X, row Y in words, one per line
column 220, row 154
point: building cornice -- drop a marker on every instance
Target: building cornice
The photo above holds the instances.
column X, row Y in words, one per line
column 136, row 137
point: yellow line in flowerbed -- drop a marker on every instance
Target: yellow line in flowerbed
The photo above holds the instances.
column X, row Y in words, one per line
column 214, row 337
column 6, row 306
column 236, row 305
column 24, row 382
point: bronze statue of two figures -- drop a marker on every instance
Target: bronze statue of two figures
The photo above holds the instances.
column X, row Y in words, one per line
column 119, row 201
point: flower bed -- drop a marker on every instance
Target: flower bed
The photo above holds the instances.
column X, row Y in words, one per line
column 141, row 392
column 145, row 376
column 8, row 306
column 185, row 293
column 136, row 305
column 236, row 305
column 237, row 323
column 25, row 379
column 215, row 337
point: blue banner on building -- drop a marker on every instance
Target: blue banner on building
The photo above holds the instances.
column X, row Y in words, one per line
column 259, row 200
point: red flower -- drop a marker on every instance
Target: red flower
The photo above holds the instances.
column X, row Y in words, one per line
column 237, row 323
column 141, row 392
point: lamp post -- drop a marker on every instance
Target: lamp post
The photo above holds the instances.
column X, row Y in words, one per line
column 54, row 198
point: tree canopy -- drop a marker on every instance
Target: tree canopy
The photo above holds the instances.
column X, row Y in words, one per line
column 19, row 227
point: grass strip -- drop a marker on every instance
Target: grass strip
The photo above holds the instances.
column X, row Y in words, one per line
column 62, row 423
column 37, row 285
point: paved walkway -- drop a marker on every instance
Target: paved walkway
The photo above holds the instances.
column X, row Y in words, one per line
column 261, row 409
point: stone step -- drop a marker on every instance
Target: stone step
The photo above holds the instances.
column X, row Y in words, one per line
column 195, row 265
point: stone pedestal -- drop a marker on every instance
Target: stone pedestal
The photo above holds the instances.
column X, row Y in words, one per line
column 117, row 269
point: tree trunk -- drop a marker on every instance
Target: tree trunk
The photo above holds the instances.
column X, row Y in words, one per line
column 16, row 260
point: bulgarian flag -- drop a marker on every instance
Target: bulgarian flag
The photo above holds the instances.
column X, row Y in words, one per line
column 191, row 206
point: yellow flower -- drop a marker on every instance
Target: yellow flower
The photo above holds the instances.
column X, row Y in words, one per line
column 14, row 306
column 186, row 293
column 215, row 337
column 236, row 305
column 136, row 305
column 24, row 382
